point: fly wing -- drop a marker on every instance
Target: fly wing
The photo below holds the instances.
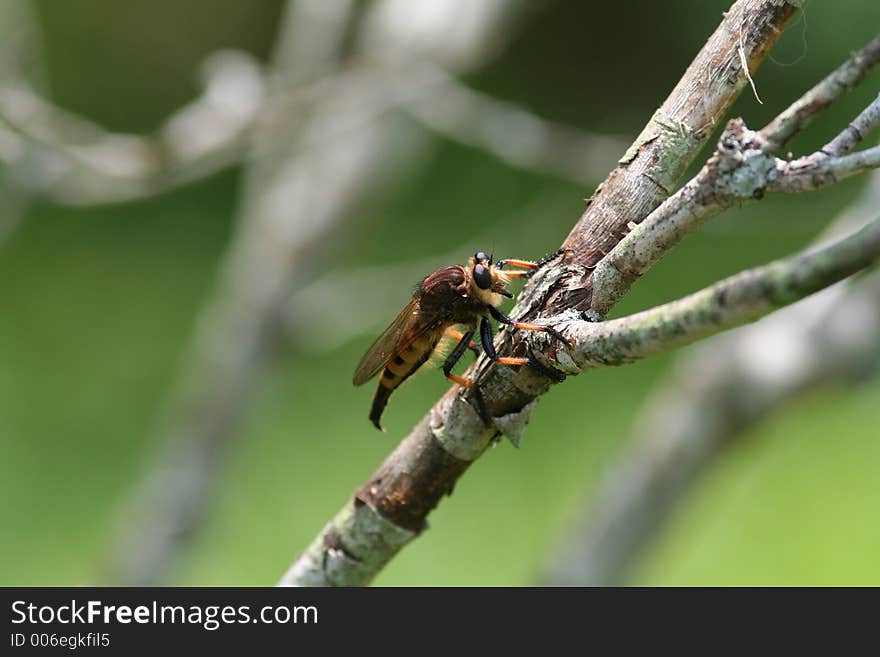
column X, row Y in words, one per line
column 425, row 313
column 408, row 326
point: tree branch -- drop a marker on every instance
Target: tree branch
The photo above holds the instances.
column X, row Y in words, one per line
column 650, row 170
column 864, row 123
column 390, row 509
column 716, row 392
column 741, row 170
column 787, row 124
column 742, row 298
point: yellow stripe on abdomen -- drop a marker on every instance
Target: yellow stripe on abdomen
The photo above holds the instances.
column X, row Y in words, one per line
column 406, row 362
column 399, row 368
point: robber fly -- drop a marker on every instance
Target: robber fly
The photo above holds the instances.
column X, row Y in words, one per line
column 446, row 307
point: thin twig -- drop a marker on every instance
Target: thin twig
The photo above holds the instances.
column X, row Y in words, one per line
column 742, row 298
column 650, row 170
column 864, row 123
column 742, row 169
column 811, row 173
column 788, row 123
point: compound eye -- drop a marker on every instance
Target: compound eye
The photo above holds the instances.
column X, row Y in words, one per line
column 479, row 256
column 482, row 277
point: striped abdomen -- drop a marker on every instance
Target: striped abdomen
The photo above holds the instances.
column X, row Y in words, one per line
column 400, row 367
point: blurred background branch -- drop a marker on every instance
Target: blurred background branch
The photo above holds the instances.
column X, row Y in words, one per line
column 56, row 154
column 514, row 135
column 21, row 47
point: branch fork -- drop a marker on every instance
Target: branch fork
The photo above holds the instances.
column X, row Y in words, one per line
column 741, row 169
column 603, row 264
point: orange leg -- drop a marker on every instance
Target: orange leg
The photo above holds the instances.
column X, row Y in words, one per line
column 546, row 329
column 489, row 348
column 504, row 319
column 510, row 360
column 486, row 338
column 526, row 264
column 460, row 380
column 528, row 327
column 530, row 266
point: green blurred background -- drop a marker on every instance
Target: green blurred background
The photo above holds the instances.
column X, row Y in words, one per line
column 97, row 306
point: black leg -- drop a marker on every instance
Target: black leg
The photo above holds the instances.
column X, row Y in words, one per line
column 455, row 356
column 499, row 316
column 486, row 339
column 489, row 347
column 549, row 330
column 551, row 257
column 549, row 372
